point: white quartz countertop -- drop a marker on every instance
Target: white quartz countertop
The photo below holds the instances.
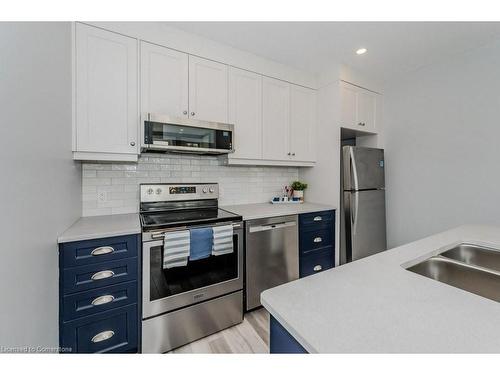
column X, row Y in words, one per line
column 263, row 210
column 92, row 227
column 374, row 305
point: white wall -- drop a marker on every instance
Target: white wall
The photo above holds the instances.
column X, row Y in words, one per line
column 40, row 189
column 442, row 134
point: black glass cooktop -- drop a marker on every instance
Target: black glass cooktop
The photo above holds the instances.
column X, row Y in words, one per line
column 166, row 219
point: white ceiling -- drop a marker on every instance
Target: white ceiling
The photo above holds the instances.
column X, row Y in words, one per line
column 393, row 48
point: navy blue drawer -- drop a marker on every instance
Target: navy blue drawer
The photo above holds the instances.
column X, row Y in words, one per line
column 80, row 253
column 113, row 331
column 311, row 240
column 88, row 277
column 98, row 300
column 317, row 219
column 316, row 262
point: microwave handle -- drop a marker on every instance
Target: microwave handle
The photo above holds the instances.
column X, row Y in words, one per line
column 148, row 131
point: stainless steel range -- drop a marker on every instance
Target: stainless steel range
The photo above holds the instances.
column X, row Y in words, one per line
column 193, row 298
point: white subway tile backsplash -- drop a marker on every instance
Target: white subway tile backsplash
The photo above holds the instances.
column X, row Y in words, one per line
column 110, row 173
column 91, row 181
column 238, row 185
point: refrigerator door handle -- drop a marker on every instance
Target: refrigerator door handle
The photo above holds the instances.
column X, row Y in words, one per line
column 354, row 209
column 354, row 172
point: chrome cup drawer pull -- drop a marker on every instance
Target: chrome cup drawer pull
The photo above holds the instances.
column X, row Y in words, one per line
column 102, row 300
column 318, row 218
column 103, row 336
column 102, row 275
column 317, row 240
column 102, row 250
column 317, row 268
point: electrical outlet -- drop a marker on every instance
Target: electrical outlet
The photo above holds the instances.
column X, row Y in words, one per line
column 102, row 196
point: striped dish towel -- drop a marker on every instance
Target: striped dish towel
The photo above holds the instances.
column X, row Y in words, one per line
column 176, row 249
column 223, row 240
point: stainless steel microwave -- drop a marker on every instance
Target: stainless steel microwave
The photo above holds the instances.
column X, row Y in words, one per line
column 176, row 134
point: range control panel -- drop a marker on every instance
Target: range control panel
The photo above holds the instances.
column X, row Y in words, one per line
column 178, row 192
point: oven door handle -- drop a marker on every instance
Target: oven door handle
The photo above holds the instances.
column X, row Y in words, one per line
column 158, row 236
column 161, row 235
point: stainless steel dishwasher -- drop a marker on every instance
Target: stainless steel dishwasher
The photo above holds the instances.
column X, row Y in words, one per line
column 272, row 255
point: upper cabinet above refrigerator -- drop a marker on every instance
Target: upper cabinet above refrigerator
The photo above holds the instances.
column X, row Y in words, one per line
column 360, row 109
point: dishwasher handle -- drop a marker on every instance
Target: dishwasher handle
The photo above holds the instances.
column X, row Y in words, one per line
column 262, row 228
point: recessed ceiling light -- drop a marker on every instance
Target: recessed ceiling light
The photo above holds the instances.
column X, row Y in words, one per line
column 361, row 51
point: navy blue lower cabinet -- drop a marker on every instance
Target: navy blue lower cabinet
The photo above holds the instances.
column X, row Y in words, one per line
column 281, row 341
column 114, row 331
column 80, row 253
column 317, row 242
column 94, row 301
column 99, row 294
column 316, row 262
column 97, row 275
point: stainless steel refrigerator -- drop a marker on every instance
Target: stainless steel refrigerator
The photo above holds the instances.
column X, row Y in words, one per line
column 363, row 230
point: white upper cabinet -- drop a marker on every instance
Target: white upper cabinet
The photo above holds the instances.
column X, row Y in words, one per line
column 164, row 81
column 360, row 108
column 348, row 105
column 106, row 95
column 208, row 86
column 302, row 123
column 367, row 110
column 245, row 112
column 276, row 119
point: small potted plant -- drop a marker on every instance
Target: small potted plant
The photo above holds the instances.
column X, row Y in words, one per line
column 298, row 189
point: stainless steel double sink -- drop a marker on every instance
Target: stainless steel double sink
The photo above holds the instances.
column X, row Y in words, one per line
column 473, row 268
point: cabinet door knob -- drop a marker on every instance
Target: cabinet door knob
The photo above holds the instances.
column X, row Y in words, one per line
column 132, row 143
column 317, row 268
column 293, row 154
column 318, row 240
column 103, row 336
column 185, row 112
column 361, row 124
column 317, row 218
column 289, row 153
column 102, row 275
column 192, row 113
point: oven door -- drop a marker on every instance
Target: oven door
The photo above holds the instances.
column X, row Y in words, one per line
column 165, row 290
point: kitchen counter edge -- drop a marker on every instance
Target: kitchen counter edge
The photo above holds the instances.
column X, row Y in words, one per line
column 94, row 227
column 254, row 211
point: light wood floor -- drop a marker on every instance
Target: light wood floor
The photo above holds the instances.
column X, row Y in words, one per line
column 250, row 336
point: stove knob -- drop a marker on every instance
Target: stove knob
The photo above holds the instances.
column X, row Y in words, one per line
column 158, row 191
column 205, row 190
column 150, row 191
column 212, row 190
